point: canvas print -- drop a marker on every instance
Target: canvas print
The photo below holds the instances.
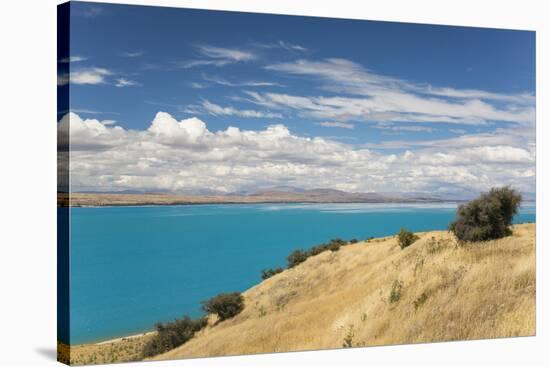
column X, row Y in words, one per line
column 236, row 183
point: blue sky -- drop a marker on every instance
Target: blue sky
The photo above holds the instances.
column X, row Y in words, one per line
column 386, row 89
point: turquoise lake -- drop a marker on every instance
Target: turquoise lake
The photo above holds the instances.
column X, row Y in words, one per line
column 134, row 266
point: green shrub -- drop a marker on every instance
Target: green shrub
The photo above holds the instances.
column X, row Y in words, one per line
column 299, row 256
column 172, row 334
column 487, row 217
column 348, row 338
column 268, row 273
column 420, row 301
column 395, row 293
column 225, row 305
column 406, row 238
column 353, row 240
column 296, row 257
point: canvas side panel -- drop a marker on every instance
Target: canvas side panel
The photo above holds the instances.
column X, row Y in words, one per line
column 63, row 184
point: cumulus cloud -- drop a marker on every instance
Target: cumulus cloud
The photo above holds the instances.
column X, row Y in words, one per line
column 185, row 156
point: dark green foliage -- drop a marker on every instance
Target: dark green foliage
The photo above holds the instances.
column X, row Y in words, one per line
column 406, row 238
column 225, row 305
column 420, row 301
column 348, row 338
column 487, row 217
column 299, row 256
column 296, row 257
column 395, row 294
column 172, row 334
column 353, row 240
column 268, row 273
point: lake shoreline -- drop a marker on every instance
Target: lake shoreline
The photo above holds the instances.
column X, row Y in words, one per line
column 109, row 199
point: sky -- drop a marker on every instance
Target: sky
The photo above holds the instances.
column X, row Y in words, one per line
column 194, row 101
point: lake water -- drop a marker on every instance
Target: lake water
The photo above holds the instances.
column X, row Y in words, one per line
column 134, row 266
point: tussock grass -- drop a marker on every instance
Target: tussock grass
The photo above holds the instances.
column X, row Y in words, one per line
column 447, row 292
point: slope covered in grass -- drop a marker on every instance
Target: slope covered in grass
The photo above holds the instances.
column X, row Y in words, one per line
column 374, row 293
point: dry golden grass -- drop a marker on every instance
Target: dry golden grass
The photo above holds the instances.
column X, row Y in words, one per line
column 442, row 292
column 119, row 350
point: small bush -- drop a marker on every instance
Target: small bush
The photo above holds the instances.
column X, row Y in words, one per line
column 487, row 217
column 395, row 294
column 348, row 338
column 420, row 301
column 268, row 273
column 353, row 240
column 225, row 305
column 172, row 334
column 406, row 238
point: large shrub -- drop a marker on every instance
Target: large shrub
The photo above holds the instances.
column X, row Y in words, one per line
column 268, row 273
column 225, row 305
column 172, row 334
column 406, row 238
column 297, row 257
column 487, row 217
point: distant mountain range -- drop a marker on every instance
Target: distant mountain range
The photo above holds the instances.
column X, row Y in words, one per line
column 278, row 194
column 332, row 195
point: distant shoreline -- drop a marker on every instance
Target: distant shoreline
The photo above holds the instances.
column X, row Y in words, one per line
column 110, row 199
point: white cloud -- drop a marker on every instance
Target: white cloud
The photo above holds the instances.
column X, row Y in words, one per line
column 93, row 76
column 373, row 97
column 193, row 63
column 217, row 56
column 89, row 76
column 226, row 53
column 342, row 125
column 394, row 106
column 227, row 83
column 196, row 85
column 218, row 110
column 62, row 79
column 132, row 54
column 283, row 45
column 186, row 156
column 73, row 59
column 122, row 82
column 407, row 128
column 89, row 134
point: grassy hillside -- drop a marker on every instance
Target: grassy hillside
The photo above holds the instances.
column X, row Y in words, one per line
column 369, row 293
column 118, row 350
column 374, row 293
